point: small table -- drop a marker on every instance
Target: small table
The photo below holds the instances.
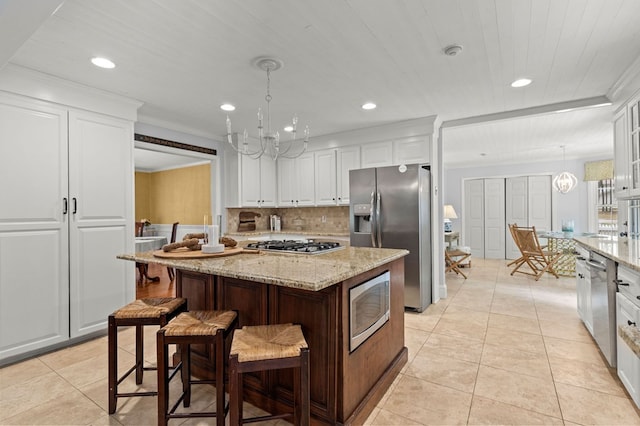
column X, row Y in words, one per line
column 147, row 244
column 563, row 243
column 449, row 237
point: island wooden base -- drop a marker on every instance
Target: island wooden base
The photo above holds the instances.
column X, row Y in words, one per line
column 345, row 386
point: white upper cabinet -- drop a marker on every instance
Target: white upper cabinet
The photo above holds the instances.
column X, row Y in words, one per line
column 305, row 173
column 296, row 181
column 257, row 181
column 414, row 150
column 411, row 151
column 621, row 155
column 378, row 154
column 633, row 124
column 348, row 159
column 332, row 174
column 325, row 179
column 626, row 127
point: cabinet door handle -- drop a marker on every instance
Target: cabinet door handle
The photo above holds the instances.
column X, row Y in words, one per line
column 65, row 205
column 625, row 188
column 638, row 297
column 619, row 282
column 631, row 323
column 75, row 205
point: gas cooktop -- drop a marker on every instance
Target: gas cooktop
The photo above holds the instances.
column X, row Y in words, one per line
column 293, row 246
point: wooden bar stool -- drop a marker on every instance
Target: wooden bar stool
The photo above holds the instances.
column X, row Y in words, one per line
column 194, row 327
column 152, row 311
column 269, row 347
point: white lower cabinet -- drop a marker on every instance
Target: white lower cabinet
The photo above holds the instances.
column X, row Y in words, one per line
column 628, row 362
column 66, row 213
column 583, row 290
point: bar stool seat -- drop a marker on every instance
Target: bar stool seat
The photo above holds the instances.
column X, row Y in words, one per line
column 193, row 327
column 139, row 313
column 269, row 347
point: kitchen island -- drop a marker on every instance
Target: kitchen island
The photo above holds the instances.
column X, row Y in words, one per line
column 311, row 290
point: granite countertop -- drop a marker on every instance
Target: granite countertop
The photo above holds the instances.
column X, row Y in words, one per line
column 307, row 272
column 625, row 252
column 631, row 336
column 287, row 232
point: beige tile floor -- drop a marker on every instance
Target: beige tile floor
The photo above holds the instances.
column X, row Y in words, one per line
column 498, row 350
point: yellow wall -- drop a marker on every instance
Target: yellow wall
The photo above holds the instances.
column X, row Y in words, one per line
column 179, row 195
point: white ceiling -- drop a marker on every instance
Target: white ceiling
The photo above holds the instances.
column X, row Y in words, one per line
column 183, row 59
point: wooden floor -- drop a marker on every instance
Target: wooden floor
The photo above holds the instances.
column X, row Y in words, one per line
column 162, row 288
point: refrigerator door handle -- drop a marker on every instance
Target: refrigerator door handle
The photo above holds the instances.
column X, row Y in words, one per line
column 379, row 220
column 372, row 215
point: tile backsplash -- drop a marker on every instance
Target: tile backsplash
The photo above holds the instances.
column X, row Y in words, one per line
column 336, row 218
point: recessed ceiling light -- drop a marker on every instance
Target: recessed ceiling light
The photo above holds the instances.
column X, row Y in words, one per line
column 452, row 50
column 521, row 82
column 227, row 107
column 369, row 105
column 288, row 128
column 102, row 62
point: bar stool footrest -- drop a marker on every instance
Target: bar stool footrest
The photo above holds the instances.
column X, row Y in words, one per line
column 130, row 394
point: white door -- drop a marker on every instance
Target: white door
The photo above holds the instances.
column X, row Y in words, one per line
column 540, row 202
column 34, row 272
column 348, row 159
column 474, row 216
column 101, row 218
column 494, row 227
column 517, row 207
column 325, row 178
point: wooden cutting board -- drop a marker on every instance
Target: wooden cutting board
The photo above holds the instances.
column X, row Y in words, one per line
column 184, row 253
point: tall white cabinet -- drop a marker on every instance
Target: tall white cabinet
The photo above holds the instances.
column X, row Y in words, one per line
column 100, row 194
column 66, row 213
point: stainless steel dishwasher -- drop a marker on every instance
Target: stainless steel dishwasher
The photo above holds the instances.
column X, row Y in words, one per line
column 603, row 304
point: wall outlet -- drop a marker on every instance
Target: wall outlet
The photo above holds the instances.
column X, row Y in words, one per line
column 324, row 219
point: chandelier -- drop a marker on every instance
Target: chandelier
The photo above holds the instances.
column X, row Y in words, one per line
column 269, row 141
column 565, row 181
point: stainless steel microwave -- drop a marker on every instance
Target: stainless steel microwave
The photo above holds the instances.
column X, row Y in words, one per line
column 368, row 308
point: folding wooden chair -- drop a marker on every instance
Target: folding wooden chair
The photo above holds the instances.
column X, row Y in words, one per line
column 453, row 259
column 533, row 255
column 519, row 260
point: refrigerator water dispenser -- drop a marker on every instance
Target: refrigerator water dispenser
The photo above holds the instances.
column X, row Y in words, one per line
column 362, row 222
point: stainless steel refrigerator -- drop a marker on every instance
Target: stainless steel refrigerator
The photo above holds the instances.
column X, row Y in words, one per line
column 390, row 207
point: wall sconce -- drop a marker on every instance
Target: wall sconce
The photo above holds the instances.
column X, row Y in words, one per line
column 449, row 213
